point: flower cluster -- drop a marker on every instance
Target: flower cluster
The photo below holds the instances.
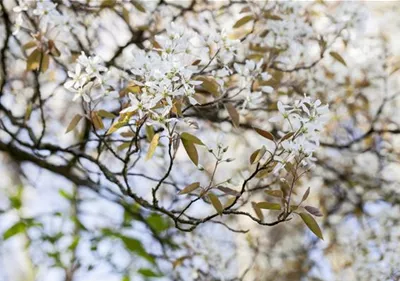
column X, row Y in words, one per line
column 89, row 75
column 306, row 119
column 248, row 73
column 46, row 11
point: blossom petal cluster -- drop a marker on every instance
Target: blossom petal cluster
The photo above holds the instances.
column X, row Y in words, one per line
column 306, row 119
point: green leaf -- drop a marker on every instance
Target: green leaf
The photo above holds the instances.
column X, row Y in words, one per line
column 191, row 151
column 157, row 222
column 191, row 138
column 189, row 188
column 15, row 229
column 74, row 244
column 216, row 203
column 243, row 21
column 136, row 246
column 233, row 113
column 338, row 57
column 148, row 272
column 269, row 206
column 153, row 146
column 74, row 122
column 65, row 194
column 311, row 224
column 126, row 278
column 265, row 134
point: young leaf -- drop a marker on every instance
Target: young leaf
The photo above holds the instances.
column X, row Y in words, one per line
column 229, row 202
column 243, row 21
column 257, row 210
column 228, row 190
column 305, row 195
column 274, row 193
column 74, row 122
column 265, row 134
column 125, row 15
column 139, row 6
column 45, row 61
column 33, row 61
column 105, row 114
column 269, row 206
column 96, row 119
column 216, row 203
column 153, row 145
column 233, row 114
column 313, row 211
column 338, row 57
column 259, row 155
column 191, row 138
column 209, row 84
column 189, row 188
column 287, row 136
column 191, row 151
column 312, row 224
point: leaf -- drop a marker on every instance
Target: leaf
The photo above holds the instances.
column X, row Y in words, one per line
column 191, row 138
column 287, row 136
column 265, row 134
column 228, row 190
column 153, row 146
column 29, row 45
column 33, row 61
column 274, row 193
column 116, row 126
column 125, row 15
column 126, row 278
column 233, row 113
column 15, row 229
column 74, row 122
column 338, row 57
column 136, row 246
column 191, row 151
column 191, row 187
column 45, row 61
column 74, row 243
column 313, row 211
column 65, row 194
column 53, row 49
column 124, row 146
column 269, row 206
column 149, row 132
column 157, row 222
column 196, row 62
column 216, row 203
column 148, row 272
column 258, row 156
column 254, row 155
column 305, row 195
column 243, row 21
column 257, row 210
column 96, row 120
column 105, row 114
column 209, row 84
column 108, row 3
column 229, row 202
column 312, row 224
column 139, row 6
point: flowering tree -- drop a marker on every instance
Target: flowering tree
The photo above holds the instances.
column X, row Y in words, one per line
column 162, row 127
